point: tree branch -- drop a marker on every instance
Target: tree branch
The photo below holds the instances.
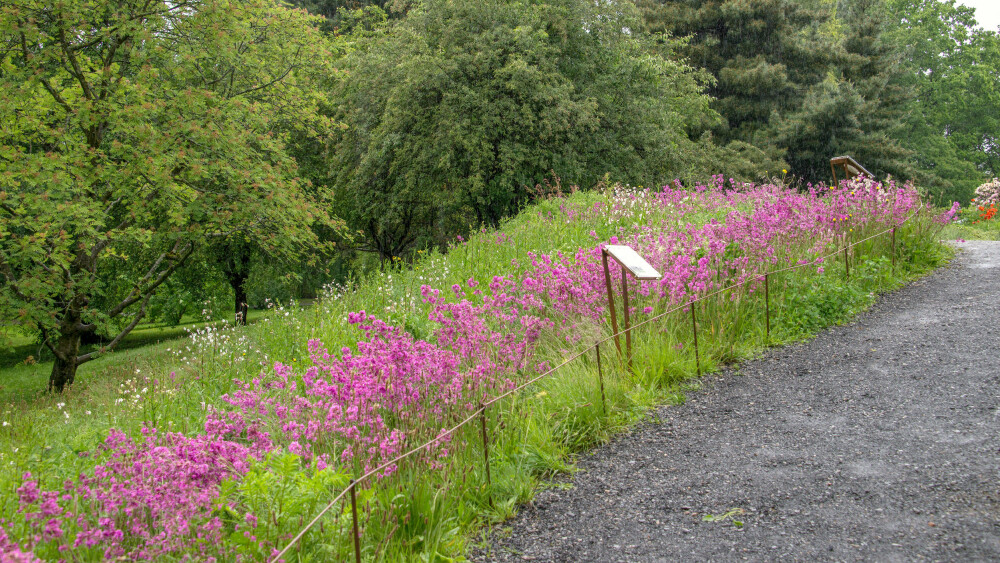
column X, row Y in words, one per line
column 77, row 71
column 45, row 340
column 106, row 71
column 136, row 294
column 8, row 273
column 100, row 245
column 265, row 85
column 44, row 81
column 107, row 210
column 139, row 315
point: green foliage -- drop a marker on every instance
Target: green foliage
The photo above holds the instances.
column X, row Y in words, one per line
column 730, row 514
column 197, row 290
column 954, row 68
column 452, row 113
column 907, row 87
column 967, row 231
column 856, row 111
column 341, row 15
column 764, row 55
column 273, row 499
column 533, row 434
column 134, row 133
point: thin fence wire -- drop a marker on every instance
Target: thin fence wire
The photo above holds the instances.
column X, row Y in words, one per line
column 583, row 351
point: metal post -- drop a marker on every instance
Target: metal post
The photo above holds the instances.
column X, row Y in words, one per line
column 486, row 453
column 894, row 247
column 628, row 323
column 354, row 515
column 611, row 301
column 694, row 329
column 767, row 306
column 600, row 376
column 847, row 263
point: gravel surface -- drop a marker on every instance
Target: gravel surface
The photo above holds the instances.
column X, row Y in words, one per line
column 878, row 440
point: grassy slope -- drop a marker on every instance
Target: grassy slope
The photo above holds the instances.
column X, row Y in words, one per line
column 534, row 433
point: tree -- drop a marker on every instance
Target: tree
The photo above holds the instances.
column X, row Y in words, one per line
column 453, row 111
column 135, row 131
column 954, row 68
column 340, row 15
column 763, row 54
column 233, row 255
column 859, row 110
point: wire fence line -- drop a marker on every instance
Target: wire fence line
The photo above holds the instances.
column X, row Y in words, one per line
column 480, row 412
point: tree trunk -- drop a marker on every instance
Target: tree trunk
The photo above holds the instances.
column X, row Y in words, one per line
column 242, row 307
column 236, row 267
column 67, row 348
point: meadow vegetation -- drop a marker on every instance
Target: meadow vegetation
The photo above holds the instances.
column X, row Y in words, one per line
column 225, row 444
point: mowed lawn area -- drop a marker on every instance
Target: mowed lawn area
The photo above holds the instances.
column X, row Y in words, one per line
column 25, row 363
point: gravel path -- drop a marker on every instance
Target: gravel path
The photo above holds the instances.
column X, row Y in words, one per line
column 878, row 440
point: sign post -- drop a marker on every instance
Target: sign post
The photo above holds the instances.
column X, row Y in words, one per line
column 850, row 166
column 630, row 262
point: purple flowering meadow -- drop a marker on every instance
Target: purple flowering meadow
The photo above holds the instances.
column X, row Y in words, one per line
column 353, row 407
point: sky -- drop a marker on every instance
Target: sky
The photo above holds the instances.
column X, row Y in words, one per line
column 987, row 12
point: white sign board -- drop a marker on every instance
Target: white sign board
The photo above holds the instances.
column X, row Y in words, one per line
column 632, row 262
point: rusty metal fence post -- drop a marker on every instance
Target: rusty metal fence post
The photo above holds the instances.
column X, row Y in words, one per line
column 894, row 247
column 611, row 300
column 354, row 516
column 600, row 377
column 847, row 264
column 694, row 330
column 767, row 306
column 486, row 454
column 628, row 322
column 352, row 486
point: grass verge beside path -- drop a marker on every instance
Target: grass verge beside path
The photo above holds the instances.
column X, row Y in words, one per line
column 989, row 230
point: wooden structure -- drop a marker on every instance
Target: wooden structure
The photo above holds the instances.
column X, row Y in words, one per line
column 850, row 166
column 632, row 263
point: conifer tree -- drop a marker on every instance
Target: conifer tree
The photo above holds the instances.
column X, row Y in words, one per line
column 858, row 110
column 764, row 55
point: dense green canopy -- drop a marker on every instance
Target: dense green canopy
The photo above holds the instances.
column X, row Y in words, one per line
column 859, row 107
column 452, row 114
column 954, row 76
column 764, row 54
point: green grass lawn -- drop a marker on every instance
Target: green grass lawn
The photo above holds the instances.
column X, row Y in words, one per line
column 966, row 230
column 25, row 364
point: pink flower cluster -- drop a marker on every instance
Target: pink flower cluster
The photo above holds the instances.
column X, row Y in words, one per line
column 761, row 228
column 988, row 193
column 394, row 391
column 145, row 500
column 342, row 404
